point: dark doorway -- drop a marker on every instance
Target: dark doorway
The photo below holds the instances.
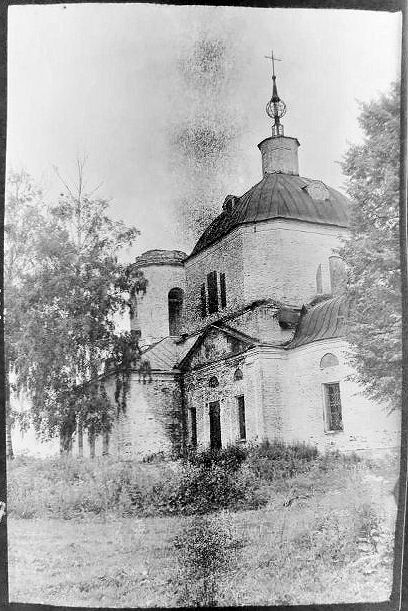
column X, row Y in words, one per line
column 241, row 417
column 215, row 425
column 193, row 413
column 175, row 310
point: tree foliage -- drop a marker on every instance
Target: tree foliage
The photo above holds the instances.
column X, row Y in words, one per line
column 25, row 226
column 372, row 252
column 61, row 307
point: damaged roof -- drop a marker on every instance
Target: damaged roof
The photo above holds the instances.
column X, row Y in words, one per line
column 277, row 196
column 167, row 353
column 326, row 320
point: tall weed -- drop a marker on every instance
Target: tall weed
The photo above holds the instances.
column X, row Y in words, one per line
column 207, row 549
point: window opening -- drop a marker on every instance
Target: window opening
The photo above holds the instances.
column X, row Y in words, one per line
column 338, row 277
column 333, row 407
column 319, row 282
column 203, row 302
column 215, row 425
column 175, row 310
column 213, row 382
column 193, row 413
column 329, row 360
column 241, row 417
column 212, row 292
column 238, row 375
column 223, row 291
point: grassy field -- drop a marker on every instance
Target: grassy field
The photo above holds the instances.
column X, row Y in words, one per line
column 323, row 537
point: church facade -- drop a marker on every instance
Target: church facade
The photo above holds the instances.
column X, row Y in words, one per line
column 244, row 336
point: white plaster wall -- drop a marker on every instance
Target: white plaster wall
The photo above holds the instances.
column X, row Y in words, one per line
column 366, row 424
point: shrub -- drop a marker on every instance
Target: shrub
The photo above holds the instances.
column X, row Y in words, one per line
column 206, row 550
column 207, row 488
column 229, row 458
column 276, row 460
column 235, row 477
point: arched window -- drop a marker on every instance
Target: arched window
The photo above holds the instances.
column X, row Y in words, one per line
column 238, row 375
column 319, row 283
column 338, row 275
column 175, row 310
column 213, row 382
column 329, row 360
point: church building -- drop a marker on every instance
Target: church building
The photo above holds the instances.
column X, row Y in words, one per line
column 243, row 336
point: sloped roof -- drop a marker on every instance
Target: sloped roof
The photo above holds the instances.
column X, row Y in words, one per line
column 277, row 196
column 167, row 353
column 326, row 320
column 226, row 329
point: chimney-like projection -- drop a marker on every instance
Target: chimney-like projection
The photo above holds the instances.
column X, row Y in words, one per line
column 279, row 154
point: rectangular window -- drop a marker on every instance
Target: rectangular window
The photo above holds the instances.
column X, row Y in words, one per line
column 212, row 292
column 241, row 417
column 193, row 414
column 223, row 291
column 334, row 421
column 203, row 302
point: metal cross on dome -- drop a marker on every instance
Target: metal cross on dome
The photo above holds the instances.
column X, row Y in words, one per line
column 275, row 108
column 273, row 59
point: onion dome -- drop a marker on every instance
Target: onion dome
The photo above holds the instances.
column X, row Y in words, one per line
column 279, row 196
column 160, row 257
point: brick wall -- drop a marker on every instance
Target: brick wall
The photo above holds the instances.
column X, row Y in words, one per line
column 199, row 394
column 262, row 323
column 281, row 258
column 224, row 257
column 152, row 421
column 152, row 308
column 273, row 259
column 280, row 155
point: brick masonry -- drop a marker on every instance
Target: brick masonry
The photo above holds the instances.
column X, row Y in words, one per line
column 152, row 309
column 268, row 263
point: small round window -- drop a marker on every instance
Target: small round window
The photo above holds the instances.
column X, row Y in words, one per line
column 238, row 375
column 329, row 360
column 213, row 382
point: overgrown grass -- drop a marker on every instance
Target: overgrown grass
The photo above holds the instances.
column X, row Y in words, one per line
column 325, row 536
column 234, row 478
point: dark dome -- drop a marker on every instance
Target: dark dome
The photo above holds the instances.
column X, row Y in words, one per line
column 278, row 196
column 160, row 257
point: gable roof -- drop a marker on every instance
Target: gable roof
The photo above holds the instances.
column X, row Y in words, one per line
column 278, row 196
column 243, row 337
column 326, row 320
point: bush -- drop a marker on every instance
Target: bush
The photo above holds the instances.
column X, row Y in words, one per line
column 229, row 458
column 277, row 460
column 206, row 550
column 207, row 488
column 235, row 477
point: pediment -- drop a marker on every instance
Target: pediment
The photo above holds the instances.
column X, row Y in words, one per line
column 214, row 344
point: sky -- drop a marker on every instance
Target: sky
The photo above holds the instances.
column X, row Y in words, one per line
column 168, row 102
